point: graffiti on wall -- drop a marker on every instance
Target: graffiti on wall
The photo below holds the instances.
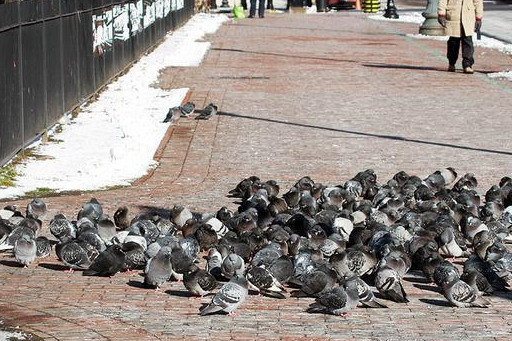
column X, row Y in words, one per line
column 127, row 20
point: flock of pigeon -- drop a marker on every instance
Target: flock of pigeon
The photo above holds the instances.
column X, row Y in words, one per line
column 326, row 242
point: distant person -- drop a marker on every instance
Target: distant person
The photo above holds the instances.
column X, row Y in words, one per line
column 460, row 18
column 261, row 9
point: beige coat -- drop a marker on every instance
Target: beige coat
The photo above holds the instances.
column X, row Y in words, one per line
column 460, row 11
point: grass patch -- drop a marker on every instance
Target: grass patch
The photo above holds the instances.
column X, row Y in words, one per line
column 7, row 175
column 39, row 192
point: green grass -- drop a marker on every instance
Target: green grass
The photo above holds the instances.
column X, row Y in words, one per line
column 39, row 192
column 7, row 175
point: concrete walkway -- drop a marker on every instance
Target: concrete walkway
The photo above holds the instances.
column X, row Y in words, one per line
column 319, row 95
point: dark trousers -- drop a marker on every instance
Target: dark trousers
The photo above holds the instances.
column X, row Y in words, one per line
column 468, row 50
column 261, row 8
column 244, row 4
column 270, row 4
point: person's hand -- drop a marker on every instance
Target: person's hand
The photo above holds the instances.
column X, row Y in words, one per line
column 478, row 25
column 442, row 20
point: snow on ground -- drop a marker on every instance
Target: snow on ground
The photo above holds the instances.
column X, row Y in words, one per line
column 11, row 336
column 423, row 36
column 501, row 75
column 112, row 141
column 408, row 17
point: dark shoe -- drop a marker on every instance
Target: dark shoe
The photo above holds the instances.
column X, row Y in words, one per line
column 262, row 16
column 469, row 70
column 251, row 16
column 451, row 68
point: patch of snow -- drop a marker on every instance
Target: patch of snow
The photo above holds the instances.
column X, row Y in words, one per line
column 113, row 140
column 494, row 44
column 423, row 36
column 8, row 336
column 501, row 75
column 408, row 17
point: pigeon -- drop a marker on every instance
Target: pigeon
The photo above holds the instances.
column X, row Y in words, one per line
column 44, row 247
column 25, row 250
column 172, row 115
column 159, row 268
column 460, row 294
column 337, row 301
column 91, row 210
column 198, row 282
column 366, row 296
column 315, row 283
column 389, row 284
column 121, row 218
column 186, row 109
column 230, row 296
column 264, row 282
column 179, row 215
column 106, row 229
column 135, row 258
column 214, row 263
column 108, row 263
column 73, row 255
column 180, row 261
column 61, row 227
column 209, row 111
column 232, row 264
column 36, row 209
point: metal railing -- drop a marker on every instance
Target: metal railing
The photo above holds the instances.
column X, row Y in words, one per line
column 55, row 54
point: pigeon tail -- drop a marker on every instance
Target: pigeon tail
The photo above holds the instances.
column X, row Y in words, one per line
column 373, row 304
column 210, row 309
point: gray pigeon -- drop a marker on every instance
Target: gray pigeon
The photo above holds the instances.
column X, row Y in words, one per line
column 73, row 255
column 315, row 283
column 173, row 115
column 106, row 229
column 91, row 210
column 460, row 294
column 36, row 209
column 187, row 109
column 180, row 214
column 44, row 247
column 25, row 250
column 264, row 282
column 230, row 296
column 108, row 263
column 337, row 301
column 209, row 111
column 214, row 263
column 366, row 296
column 159, row 268
column 60, row 227
column 198, row 282
column 135, row 258
column 388, row 282
column 180, row 261
column 232, row 264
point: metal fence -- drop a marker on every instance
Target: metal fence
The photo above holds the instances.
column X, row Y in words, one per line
column 54, row 54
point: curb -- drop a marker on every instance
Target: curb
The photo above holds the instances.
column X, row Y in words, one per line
column 159, row 152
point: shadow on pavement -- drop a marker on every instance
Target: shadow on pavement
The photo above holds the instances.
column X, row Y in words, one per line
column 428, row 287
column 413, row 67
column 286, row 55
column 53, row 266
column 439, row 303
column 360, row 133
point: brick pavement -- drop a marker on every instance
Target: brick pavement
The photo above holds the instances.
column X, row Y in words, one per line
column 320, row 95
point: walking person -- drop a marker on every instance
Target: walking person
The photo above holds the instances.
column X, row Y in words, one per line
column 261, row 9
column 460, row 18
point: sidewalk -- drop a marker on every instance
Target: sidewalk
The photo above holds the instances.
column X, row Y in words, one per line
column 321, row 95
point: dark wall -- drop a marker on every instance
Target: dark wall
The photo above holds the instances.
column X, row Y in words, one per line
column 54, row 54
